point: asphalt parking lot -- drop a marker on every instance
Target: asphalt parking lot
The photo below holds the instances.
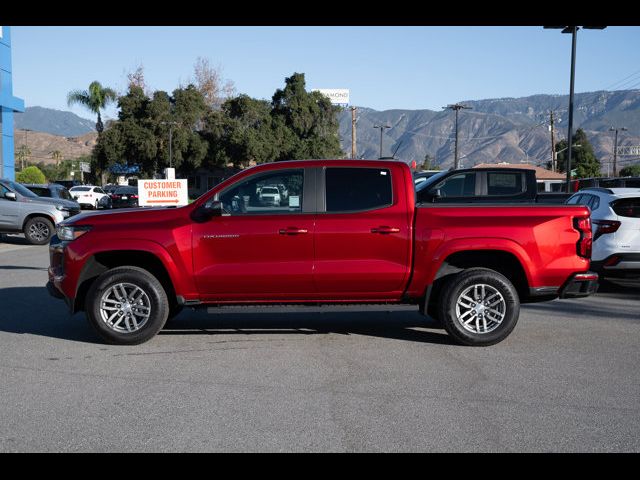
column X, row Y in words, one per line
column 310, row 379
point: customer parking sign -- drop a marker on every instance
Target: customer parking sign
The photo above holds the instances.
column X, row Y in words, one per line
column 162, row 193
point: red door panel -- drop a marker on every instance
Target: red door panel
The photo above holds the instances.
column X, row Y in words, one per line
column 258, row 257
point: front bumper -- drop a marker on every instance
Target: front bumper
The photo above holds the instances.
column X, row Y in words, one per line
column 580, row 285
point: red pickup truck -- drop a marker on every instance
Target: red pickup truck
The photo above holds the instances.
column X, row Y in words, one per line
column 325, row 231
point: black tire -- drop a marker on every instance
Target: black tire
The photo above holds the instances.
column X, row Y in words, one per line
column 145, row 281
column 38, row 230
column 509, row 306
column 96, row 205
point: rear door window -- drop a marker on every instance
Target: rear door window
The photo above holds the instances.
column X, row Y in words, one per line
column 357, row 189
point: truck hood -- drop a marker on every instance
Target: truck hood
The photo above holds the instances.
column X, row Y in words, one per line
column 121, row 216
column 68, row 204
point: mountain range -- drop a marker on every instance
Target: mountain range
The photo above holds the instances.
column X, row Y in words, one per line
column 513, row 130
column 55, row 122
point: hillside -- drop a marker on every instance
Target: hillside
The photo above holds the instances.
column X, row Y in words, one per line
column 55, row 122
column 506, row 129
column 42, row 144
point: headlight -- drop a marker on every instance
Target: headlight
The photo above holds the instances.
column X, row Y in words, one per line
column 68, row 233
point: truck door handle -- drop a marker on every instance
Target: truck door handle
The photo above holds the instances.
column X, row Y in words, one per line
column 384, row 229
column 292, row 231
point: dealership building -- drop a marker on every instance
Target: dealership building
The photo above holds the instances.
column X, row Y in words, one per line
column 8, row 105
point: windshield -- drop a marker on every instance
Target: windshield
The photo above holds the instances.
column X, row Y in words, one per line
column 430, row 181
column 270, row 190
column 80, row 189
column 64, row 193
column 21, row 189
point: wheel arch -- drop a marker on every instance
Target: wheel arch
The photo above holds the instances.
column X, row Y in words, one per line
column 102, row 261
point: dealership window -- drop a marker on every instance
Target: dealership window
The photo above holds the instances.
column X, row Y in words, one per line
column 193, row 181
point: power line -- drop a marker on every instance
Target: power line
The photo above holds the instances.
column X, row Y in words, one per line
column 614, row 85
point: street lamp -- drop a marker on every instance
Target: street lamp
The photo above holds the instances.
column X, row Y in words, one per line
column 615, row 148
column 573, row 30
column 382, row 128
column 456, row 107
column 171, row 124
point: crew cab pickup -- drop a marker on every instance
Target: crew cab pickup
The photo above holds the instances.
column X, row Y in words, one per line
column 348, row 232
column 485, row 185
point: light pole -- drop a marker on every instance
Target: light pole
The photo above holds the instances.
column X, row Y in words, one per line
column 615, row 148
column 171, row 124
column 382, row 128
column 456, row 107
column 573, row 30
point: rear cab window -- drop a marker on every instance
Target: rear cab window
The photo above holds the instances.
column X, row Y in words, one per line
column 507, row 183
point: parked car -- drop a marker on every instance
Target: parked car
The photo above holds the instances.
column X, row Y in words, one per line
column 615, row 216
column 419, row 177
column 270, row 195
column 485, row 185
column 125, row 197
column 109, row 188
column 56, row 191
column 22, row 211
column 68, row 184
column 351, row 233
column 90, row 196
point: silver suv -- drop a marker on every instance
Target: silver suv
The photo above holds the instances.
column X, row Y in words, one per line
column 22, row 211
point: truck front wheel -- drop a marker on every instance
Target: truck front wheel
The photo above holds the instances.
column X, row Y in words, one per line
column 38, row 230
column 127, row 306
column 479, row 307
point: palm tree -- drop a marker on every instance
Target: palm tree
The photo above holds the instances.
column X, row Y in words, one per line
column 22, row 154
column 94, row 99
column 57, row 156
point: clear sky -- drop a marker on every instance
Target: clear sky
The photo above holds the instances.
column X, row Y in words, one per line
column 384, row 67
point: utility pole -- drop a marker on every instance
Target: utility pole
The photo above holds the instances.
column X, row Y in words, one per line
column 573, row 30
column 553, row 146
column 171, row 124
column 381, row 127
column 456, row 107
column 615, row 149
column 353, row 132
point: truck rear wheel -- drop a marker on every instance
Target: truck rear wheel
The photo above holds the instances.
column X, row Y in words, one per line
column 127, row 306
column 479, row 307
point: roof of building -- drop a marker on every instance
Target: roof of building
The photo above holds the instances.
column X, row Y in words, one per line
column 541, row 173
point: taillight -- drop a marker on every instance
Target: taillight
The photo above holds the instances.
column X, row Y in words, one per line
column 583, row 225
column 134, row 196
column 605, row 226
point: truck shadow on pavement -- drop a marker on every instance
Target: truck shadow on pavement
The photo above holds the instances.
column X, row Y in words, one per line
column 32, row 311
column 406, row 325
column 13, row 239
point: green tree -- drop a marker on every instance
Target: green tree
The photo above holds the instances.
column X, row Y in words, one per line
column 312, row 119
column 56, row 155
column 631, row 171
column 429, row 163
column 22, row 155
column 30, row 174
column 95, row 98
column 583, row 159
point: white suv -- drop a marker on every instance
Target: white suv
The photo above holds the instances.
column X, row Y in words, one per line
column 615, row 215
column 88, row 195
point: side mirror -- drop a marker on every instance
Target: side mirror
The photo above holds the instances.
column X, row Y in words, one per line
column 10, row 196
column 213, row 208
